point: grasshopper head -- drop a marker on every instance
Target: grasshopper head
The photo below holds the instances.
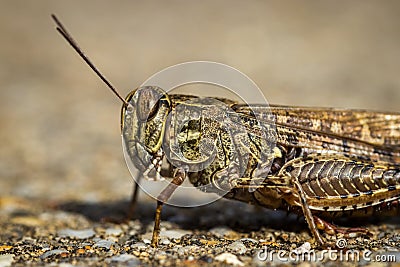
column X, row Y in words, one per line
column 143, row 123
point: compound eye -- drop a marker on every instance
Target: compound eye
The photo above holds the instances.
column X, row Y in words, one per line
column 147, row 103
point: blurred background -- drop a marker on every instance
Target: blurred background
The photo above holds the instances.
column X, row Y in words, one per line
column 60, row 136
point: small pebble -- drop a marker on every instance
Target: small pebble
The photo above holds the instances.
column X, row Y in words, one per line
column 220, row 231
column 5, row 248
column 133, row 232
column 165, row 241
column 146, row 241
column 352, row 235
column 285, row 236
column 113, row 231
column 139, row 245
column 123, row 258
column 136, row 253
column 229, row 258
column 147, row 236
column 180, row 251
column 144, row 254
column 81, row 251
column 103, row 243
column 395, row 238
column 53, row 252
column 174, row 233
column 6, row 260
column 237, row 247
column 77, row 234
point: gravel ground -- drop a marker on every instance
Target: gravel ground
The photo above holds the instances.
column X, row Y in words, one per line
column 225, row 232
column 61, row 165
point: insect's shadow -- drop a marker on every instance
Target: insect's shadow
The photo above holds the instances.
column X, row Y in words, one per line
column 235, row 215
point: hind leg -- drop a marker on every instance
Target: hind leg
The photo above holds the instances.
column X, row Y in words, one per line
column 332, row 229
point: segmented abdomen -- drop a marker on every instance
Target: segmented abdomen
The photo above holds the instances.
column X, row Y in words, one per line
column 344, row 184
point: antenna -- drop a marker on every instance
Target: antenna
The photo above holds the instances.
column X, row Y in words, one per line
column 63, row 31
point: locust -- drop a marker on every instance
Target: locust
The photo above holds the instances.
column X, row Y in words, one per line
column 317, row 162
